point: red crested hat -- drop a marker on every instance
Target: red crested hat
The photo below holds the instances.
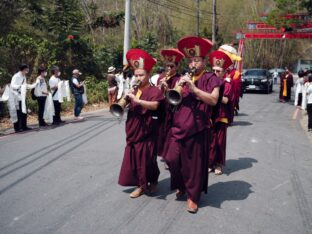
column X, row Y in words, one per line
column 171, row 55
column 138, row 58
column 219, row 59
column 194, row 46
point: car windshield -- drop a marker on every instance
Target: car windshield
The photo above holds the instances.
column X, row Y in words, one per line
column 255, row 73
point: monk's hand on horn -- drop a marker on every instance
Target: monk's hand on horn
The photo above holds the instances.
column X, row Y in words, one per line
column 182, row 80
column 164, row 84
column 133, row 98
column 187, row 80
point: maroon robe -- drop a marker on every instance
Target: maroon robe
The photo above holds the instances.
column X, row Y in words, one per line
column 165, row 118
column 188, row 140
column 139, row 166
column 221, row 115
column 288, row 79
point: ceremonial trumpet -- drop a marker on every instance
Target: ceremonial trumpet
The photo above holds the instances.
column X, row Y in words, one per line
column 117, row 109
column 174, row 96
column 167, row 76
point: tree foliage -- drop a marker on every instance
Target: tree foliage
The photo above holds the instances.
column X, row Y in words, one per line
column 277, row 17
column 89, row 34
column 307, row 4
column 110, row 20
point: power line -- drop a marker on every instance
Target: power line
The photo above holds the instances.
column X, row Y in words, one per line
column 188, row 7
column 182, row 18
column 178, row 10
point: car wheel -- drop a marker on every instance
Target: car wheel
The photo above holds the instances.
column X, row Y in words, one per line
column 268, row 90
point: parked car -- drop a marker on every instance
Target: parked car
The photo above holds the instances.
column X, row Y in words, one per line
column 258, row 80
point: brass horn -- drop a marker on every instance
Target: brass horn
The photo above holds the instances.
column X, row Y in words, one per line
column 117, row 109
column 166, row 78
column 174, row 96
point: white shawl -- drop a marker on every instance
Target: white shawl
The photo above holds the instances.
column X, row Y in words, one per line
column 84, row 95
column 13, row 105
column 63, row 91
column 6, row 93
column 13, row 100
column 49, row 109
column 304, row 96
column 299, row 89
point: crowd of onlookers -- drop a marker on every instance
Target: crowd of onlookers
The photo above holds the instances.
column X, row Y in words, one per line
column 48, row 94
column 303, row 91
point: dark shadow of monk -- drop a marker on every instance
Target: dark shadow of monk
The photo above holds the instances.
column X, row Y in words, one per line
column 233, row 165
column 226, row 191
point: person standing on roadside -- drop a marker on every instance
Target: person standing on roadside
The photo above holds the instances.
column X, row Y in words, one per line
column 41, row 92
column 78, row 90
column 112, row 85
column 54, row 83
column 17, row 99
column 285, row 87
column 309, row 102
column 299, row 88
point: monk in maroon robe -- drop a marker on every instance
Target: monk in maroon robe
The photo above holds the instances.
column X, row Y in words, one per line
column 236, row 83
column 286, row 83
column 188, row 140
column 221, row 112
column 236, row 79
column 139, row 167
column 171, row 58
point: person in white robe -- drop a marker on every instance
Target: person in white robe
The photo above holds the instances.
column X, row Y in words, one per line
column 54, row 84
column 41, row 93
column 154, row 78
column 124, row 81
column 309, row 101
column 298, row 87
column 17, row 99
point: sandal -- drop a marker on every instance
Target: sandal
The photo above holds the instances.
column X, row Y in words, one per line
column 179, row 194
column 218, row 171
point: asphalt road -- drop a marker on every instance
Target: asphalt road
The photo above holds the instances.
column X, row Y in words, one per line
column 64, row 180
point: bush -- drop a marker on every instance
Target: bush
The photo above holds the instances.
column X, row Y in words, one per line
column 4, row 111
column 96, row 90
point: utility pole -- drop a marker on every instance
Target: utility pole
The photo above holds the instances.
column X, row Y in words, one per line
column 127, row 30
column 214, row 21
column 197, row 28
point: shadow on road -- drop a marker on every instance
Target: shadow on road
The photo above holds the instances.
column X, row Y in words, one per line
column 233, row 165
column 242, row 114
column 42, row 153
column 226, row 191
column 241, row 123
column 163, row 189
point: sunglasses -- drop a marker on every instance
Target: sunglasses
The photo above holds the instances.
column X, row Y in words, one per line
column 216, row 71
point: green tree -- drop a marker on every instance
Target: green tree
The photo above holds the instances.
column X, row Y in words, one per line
column 9, row 13
column 307, row 4
column 277, row 17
